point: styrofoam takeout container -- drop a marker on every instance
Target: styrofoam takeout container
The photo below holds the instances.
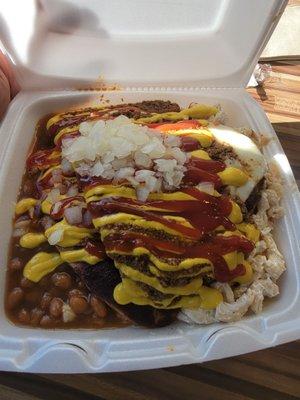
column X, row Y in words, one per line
column 184, row 51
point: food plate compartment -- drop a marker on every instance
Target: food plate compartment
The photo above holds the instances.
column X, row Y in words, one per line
column 37, row 350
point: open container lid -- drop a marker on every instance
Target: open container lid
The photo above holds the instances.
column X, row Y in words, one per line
column 184, row 43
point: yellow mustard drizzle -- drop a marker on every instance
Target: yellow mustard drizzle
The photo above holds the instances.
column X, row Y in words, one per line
column 250, row 231
column 235, row 215
column 40, row 265
column 199, row 111
column 190, row 288
column 25, row 205
column 129, row 292
column 247, row 277
column 31, row 240
column 233, row 176
column 63, row 132
column 163, row 265
column 134, row 220
column 203, row 136
column 80, row 255
column 200, row 154
column 71, row 235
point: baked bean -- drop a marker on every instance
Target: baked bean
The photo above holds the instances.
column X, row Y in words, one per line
column 24, row 316
column 75, row 292
column 45, row 301
column 98, row 322
column 33, row 296
column 36, row 315
column 55, row 307
column 47, row 322
column 98, row 306
column 78, row 304
column 81, row 285
column 26, row 283
column 28, row 187
column 15, row 264
column 55, row 291
column 122, row 318
column 15, row 297
column 62, row 280
column 45, row 281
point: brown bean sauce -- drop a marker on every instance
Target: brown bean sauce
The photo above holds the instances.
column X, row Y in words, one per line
column 40, row 304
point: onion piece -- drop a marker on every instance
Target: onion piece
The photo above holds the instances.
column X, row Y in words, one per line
column 22, row 223
column 72, row 191
column 66, row 167
column 46, row 222
column 206, row 187
column 142, row 193
column 55, row 237
column 53, row 195
column 73, row 215
column 19, row 232
column 56, row 175
column 56, row 207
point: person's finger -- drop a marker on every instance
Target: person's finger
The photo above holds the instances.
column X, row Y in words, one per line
column 4, row 93
column 6, row 67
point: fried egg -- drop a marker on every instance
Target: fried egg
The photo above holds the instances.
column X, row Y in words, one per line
column 249, row 158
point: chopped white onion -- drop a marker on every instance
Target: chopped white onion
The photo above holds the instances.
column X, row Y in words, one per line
column 19, row 232
column 143, row 174
column 56, row 207
column 124, row 173
column 66, row 167
column 53, row 195
column 56, row 175
column 119, row 149
column 72, row 191
column 150, row 183
column 22, row 223
column 68, row 314
column 73, row 215
column 47, row 222
column 172, row 141
column 142, row 193
column 206, row 187
column 55, row 237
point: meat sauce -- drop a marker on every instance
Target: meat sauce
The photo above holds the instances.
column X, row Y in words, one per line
column 40, row 304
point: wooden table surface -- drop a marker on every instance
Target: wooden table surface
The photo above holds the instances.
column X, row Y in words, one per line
column 272, row 374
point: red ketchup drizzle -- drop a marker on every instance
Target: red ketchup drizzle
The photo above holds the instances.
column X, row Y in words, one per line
column 73, row 120
column 69, row 135
column 61, row 205
column 205, row 213
column 127, row 241
column 211, row 249
column 41, row 159
column 95, row 249
column 110, row 206
column 88, row 182
column 175, row 126
column 45, row 182
column 189, row 144
column 65, row 122
column 193, row 176
column 206, row 165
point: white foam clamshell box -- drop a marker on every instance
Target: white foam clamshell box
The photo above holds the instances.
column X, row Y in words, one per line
column 184, row 51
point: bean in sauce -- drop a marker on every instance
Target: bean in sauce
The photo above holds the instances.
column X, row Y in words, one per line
column 41, row 303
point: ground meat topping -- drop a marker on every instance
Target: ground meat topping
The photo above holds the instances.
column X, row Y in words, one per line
column 220, row 152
